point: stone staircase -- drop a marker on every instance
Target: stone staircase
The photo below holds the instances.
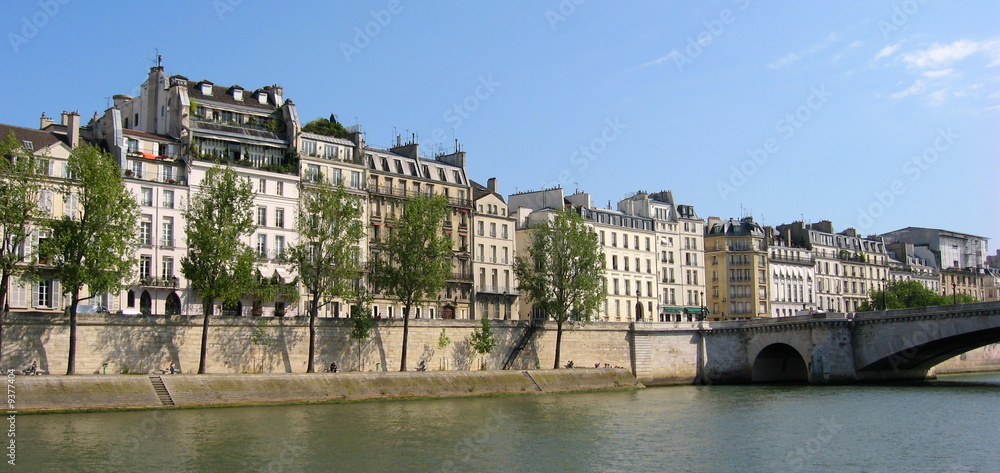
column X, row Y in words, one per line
column 161, row 391
column 641, row 356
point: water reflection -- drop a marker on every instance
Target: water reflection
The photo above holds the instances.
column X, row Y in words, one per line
column 934, row 427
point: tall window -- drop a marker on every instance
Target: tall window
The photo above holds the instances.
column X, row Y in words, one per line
column 262, row 186
column 167, row 267
column 43, row 293
column 493, row 230
column 355, row 180
column 262, row 216
column 145, row 231
column 167, row 237
column 168, row 199
column 146, row 196
column 279, row 188
column 279, row 218
column 503, row 231
column 279, row 246
column 145, row 266
column 262, row 246
column 479, row 228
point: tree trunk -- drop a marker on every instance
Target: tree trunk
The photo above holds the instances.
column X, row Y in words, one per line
column 71, row 363
column 558, row 343
column 406, row 333
column 311, row 365
column 3, row 309
column 206, row 308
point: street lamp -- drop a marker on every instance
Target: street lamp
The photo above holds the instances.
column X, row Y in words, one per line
column 704, row 308
column 885, row 288
column 954, row 294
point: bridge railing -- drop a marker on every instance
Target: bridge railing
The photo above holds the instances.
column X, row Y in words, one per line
column 929, row 310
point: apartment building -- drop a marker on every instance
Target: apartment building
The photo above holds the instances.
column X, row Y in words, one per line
column 950, row 249
column 908, row 262
column 493, row 245
column 52, row 145
column 680, row 259
column 738, row 267
column 792, row 276
column 399, row 173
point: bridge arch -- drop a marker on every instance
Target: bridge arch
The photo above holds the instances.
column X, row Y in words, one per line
column 779, row 363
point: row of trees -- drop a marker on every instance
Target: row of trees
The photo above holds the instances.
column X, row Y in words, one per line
column 907, row 294
column 91, row 249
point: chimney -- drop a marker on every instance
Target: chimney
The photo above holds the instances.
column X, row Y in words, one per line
column 46, row 121
column 62, row 121
column 491, row 184
column 73, row 129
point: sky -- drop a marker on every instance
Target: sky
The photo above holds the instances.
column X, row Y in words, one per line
column 876, row 115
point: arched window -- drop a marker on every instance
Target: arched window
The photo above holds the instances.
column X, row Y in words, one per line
column 145, row 303
column 173, row 306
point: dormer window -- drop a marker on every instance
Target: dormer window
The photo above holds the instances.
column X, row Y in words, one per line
column 28, row 145
column 206, row 87
column 237, row 93
column 261, row 96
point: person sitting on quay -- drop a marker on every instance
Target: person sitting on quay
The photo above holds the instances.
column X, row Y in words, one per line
column 333, row 367
column 33, row 369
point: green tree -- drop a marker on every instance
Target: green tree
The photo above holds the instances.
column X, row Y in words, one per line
column 907, row 294
column 413, row 261
column 326, row 127
column 483, row 340
column 563, row 272
column 93, row 245
column 219, row 265
column 328, row 255
column 19, row 193
column 361, row 322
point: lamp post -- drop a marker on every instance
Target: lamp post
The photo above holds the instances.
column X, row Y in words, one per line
column 885, row 288
column 954, row 294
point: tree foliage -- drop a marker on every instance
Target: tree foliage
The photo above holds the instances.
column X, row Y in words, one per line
column 413, row 262
column 563, row 273
column 328, row 255
column 361, row 322
column 326, row 127
column 483, row 340
column 19, row 193
column 93, row 244
column 219, row 264
column 907, row 294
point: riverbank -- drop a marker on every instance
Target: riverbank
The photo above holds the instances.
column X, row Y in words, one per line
column 124, row 392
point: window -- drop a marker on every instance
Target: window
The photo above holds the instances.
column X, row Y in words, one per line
column 168, row 199
column 355, row 180
column 146, row 231
column 279, row 188
column 493, row 230
column 137, row 169
column 262, row 186
column 167, row 237
column 279, row 246
column 330, row 151
column 614, row 262
column 167, row 268
column 480, row 252
column 309, row 147
column 503, row 231
column 312, row 173
column 168, row 174
column 145, row 266
column 279, row 218
column 614, row 239
column 336, row 177
column 146, row 196
column 43, row 294
column 262, row 216
column 133, row 145
column 479, row 228
column 262, row 246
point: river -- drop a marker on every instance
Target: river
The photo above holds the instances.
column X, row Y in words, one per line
column 951, row 425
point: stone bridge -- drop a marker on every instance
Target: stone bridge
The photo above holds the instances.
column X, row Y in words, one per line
column 827, row 348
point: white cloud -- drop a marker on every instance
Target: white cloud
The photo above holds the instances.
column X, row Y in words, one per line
column 668, row 57
column 790, row 58
column 938, row 73
column 943, row 55
column 917, row 87
column 886, row 51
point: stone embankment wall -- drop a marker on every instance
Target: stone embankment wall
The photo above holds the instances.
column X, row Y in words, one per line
column 982, row 359
column 139, row 345
column 46, row 393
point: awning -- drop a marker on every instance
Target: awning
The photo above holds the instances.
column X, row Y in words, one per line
column 673, row 309
column 284, row 274
column 697, row 310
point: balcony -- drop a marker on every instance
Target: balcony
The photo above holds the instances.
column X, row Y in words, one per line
column 807, row 261
column 505, row 290
column 410, row 193
column 461, row 277
column 168, row 282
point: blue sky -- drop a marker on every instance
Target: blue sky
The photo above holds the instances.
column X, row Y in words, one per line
column 875, row 115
